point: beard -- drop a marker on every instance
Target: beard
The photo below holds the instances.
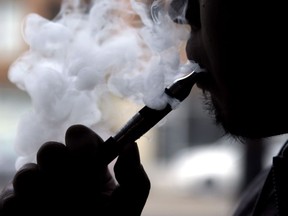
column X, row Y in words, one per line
column 214, row 111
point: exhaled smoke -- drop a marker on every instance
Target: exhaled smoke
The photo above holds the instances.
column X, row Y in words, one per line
column 89, row 52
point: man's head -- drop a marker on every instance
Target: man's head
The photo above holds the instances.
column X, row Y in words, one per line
column 239, row 44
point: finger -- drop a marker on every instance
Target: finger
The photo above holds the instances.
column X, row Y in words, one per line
column 54, row 164
column 35, row 190
column 128, row 168
column 9, row 205
column 82, row 141
column 27, row 181
column 58, row 176
column 53, row 157
column 131, row 196
column 7, row 199
column 84, row 146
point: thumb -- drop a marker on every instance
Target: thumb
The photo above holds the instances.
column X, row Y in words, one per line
column 134, row 184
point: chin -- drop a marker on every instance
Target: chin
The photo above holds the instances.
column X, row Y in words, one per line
column 236, row 126
column 248, row 127
column 243, row 121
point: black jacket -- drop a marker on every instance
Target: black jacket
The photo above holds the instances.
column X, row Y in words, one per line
column 268, row 193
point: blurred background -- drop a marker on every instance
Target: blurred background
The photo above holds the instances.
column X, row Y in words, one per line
column 194, row 169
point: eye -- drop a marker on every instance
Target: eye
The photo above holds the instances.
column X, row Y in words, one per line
column 192, row 14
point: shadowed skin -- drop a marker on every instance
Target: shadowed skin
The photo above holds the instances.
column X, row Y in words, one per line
column 72, row 178
column 239, row 44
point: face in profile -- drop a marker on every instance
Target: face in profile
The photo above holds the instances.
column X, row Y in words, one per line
column 228, row 40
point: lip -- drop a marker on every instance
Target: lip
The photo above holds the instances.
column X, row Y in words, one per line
column 204, row 81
